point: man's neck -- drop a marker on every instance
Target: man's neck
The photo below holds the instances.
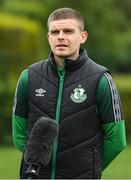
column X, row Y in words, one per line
column 60, row 62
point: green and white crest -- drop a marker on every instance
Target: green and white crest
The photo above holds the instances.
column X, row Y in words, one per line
column 79, row 95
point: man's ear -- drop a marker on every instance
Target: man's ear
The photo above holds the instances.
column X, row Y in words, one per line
column 84, row 36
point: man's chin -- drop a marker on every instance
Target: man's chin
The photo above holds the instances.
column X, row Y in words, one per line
column 62, row 55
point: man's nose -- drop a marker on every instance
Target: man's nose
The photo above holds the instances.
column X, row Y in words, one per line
column 61, row 35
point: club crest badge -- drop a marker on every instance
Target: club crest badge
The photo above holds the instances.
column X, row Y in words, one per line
column 79, row 95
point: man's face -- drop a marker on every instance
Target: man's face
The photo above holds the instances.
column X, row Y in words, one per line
column 65, row 38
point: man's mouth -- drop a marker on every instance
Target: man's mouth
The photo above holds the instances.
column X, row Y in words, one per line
column 61, row 45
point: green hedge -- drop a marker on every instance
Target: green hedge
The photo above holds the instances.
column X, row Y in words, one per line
column 20, row 44
column 21, row 41
column 31, row 9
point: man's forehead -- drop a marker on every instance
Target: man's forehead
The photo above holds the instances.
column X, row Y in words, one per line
column 64, row 23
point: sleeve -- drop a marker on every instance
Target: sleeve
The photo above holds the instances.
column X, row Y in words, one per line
column 20, row 111
column 110, row 113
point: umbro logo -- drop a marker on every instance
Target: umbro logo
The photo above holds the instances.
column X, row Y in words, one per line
column 40, row 92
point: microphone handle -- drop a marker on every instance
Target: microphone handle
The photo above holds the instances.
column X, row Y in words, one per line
column 32, row 172
column 29, row 178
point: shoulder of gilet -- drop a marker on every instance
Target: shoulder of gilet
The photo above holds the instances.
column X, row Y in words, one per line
column 95, row 68
column 38, row 66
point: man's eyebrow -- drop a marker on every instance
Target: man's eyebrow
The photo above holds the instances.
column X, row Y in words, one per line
column 64, row 29
column 69, row 29
column 54, row 30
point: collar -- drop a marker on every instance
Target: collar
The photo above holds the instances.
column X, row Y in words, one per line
column 70, row 65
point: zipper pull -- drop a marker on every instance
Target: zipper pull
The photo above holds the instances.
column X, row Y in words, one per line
column 61, row 77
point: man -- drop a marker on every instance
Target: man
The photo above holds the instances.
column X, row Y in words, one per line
column 76, row 92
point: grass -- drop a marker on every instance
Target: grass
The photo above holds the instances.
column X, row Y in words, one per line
column 9, row 162
column 120, row 168
column 10, row 157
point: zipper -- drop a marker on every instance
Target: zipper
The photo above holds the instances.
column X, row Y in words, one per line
column 57, row 117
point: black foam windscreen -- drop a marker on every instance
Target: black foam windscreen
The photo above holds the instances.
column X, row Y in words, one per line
column 39, row 146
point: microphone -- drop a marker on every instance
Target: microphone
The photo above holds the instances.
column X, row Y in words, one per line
column 39, row 147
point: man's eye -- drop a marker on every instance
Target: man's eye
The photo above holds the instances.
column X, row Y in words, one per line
column 68, row 31
column 54, row 32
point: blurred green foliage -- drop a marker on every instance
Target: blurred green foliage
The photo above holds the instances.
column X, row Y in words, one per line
column 19, row 46
column 23, row 41
column 107, row 22
column 28, row 9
